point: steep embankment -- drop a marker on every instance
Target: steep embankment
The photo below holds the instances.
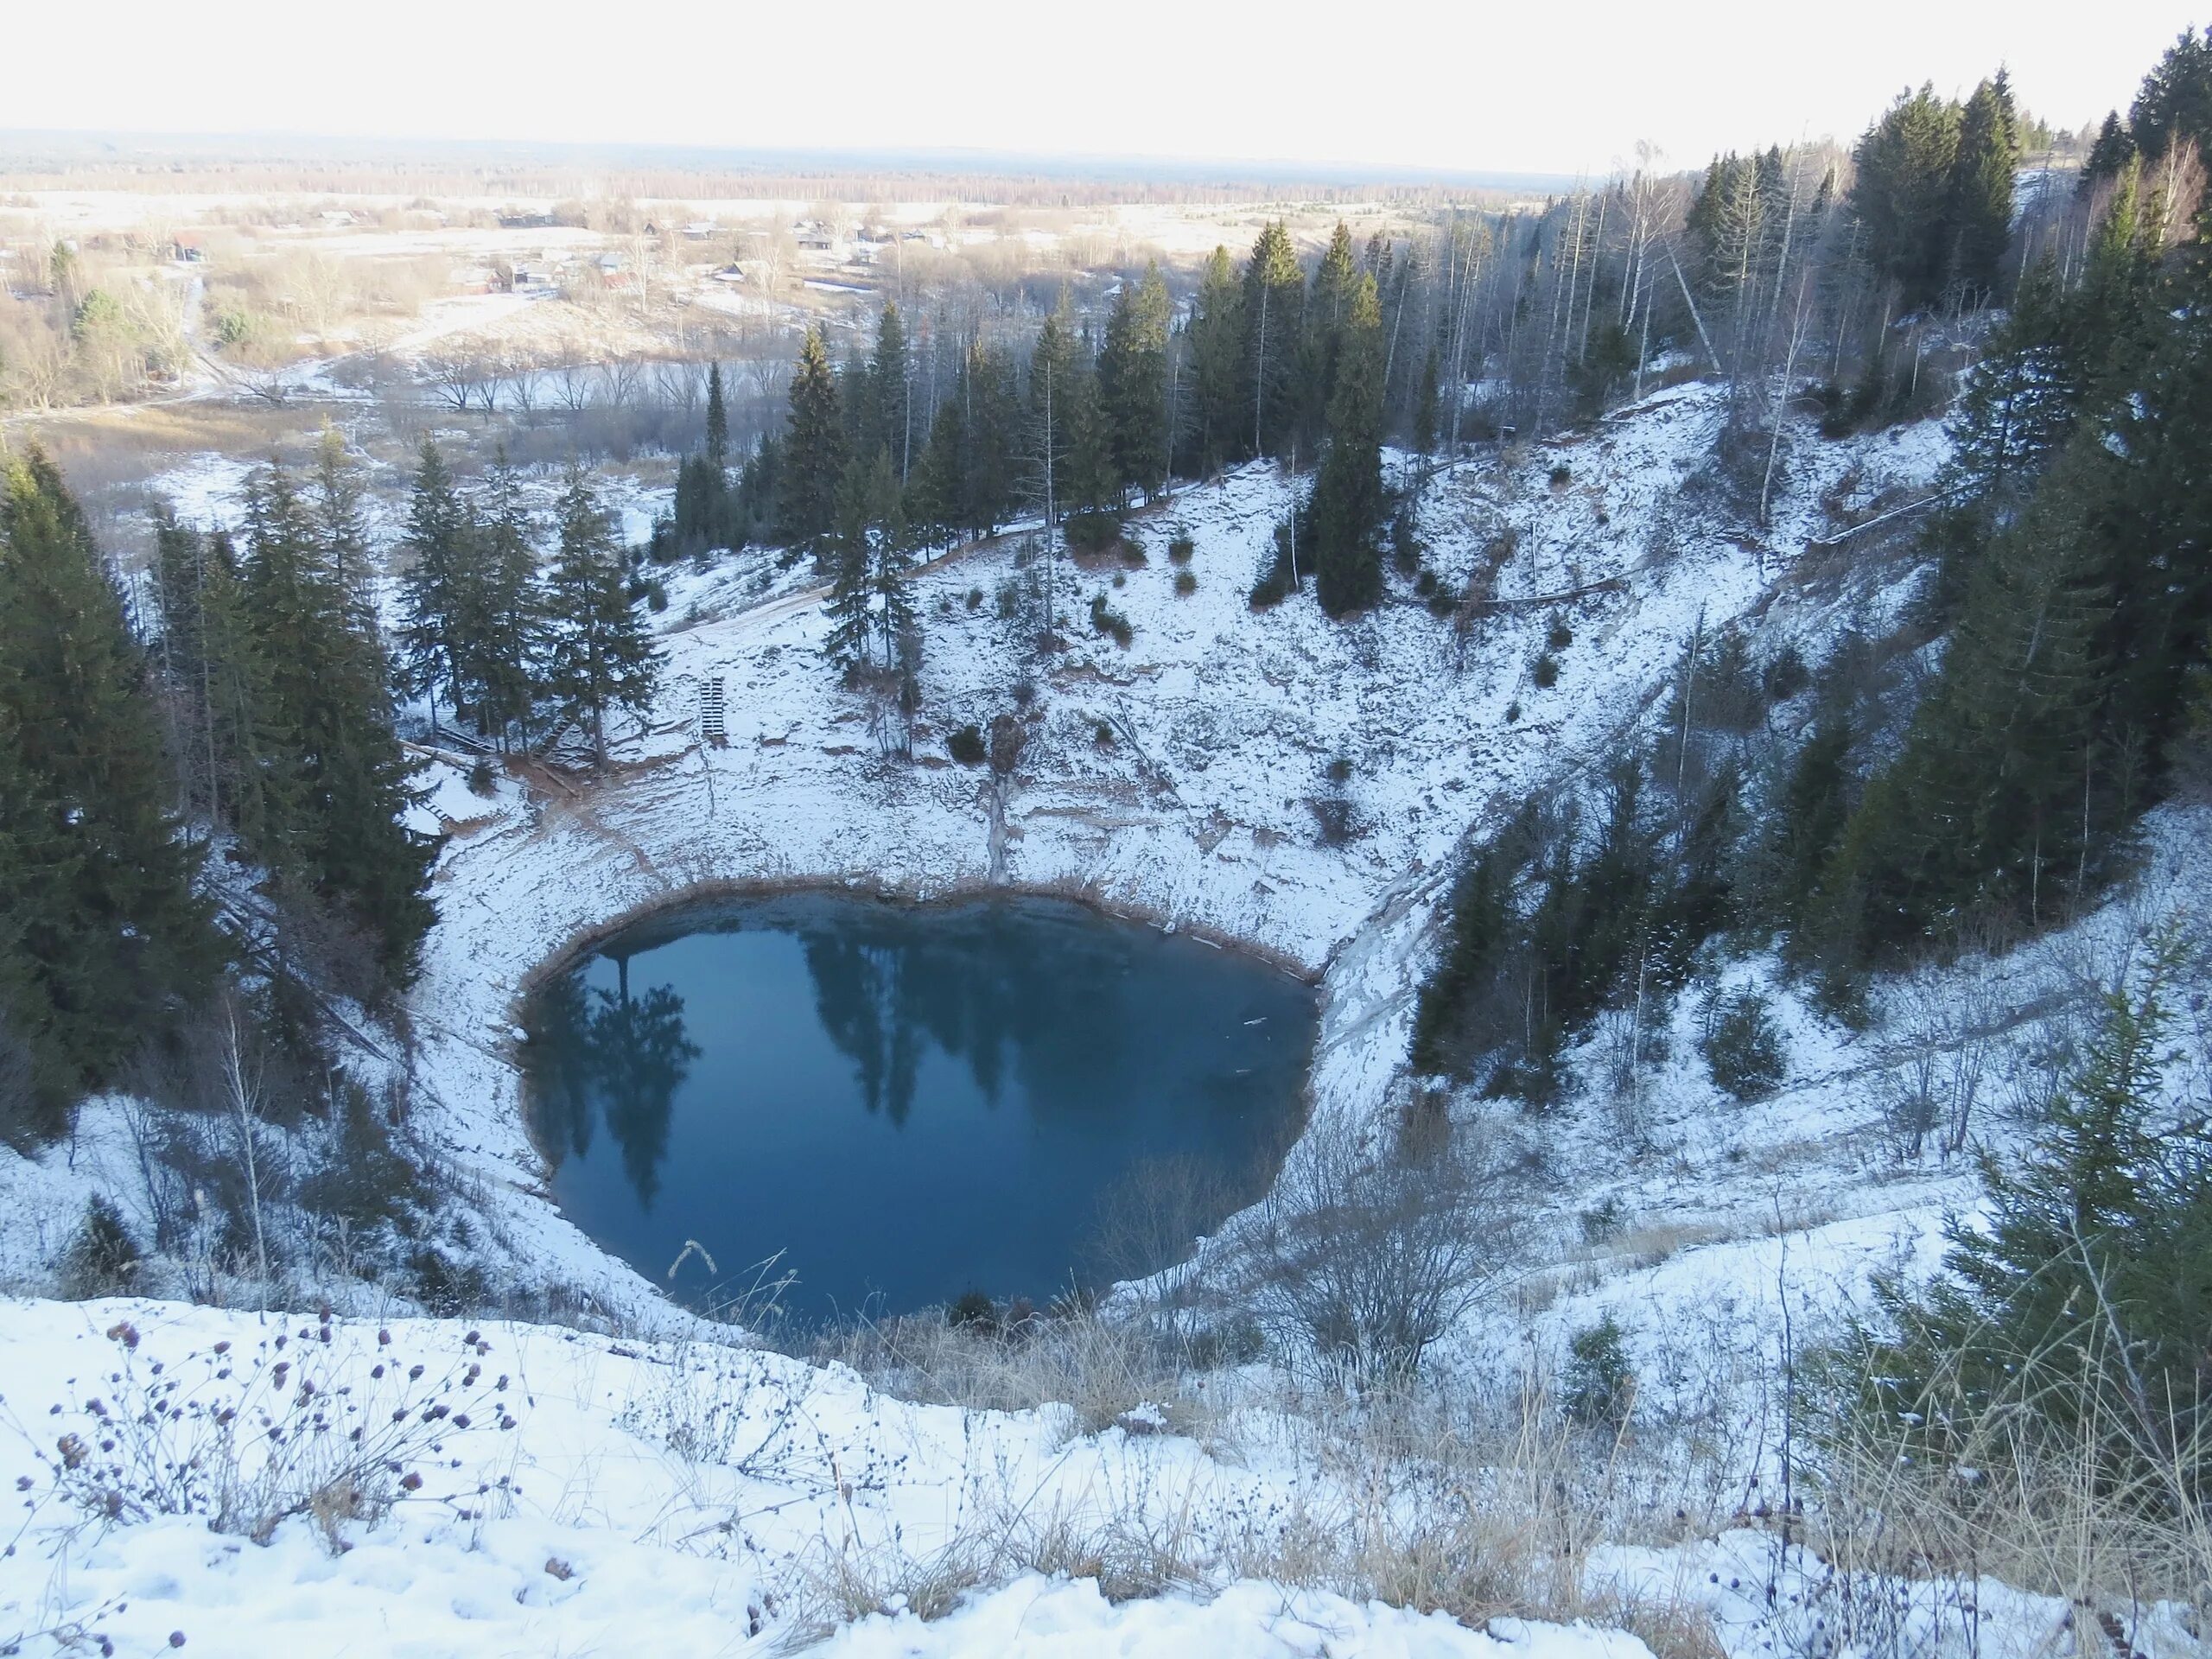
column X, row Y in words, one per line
column 1187, row 777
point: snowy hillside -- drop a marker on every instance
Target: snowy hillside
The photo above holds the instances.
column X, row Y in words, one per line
column 1272, row 781
column 193, row 1479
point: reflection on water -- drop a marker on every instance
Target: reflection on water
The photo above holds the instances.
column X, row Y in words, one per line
column 907, row 1102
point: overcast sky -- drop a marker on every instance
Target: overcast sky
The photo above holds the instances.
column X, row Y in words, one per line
column 1537, row 86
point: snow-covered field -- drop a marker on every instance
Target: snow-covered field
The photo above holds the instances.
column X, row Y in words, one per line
column 241, row 1484
column 1175, row 779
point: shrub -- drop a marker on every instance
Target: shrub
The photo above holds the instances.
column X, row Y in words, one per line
column 1562, row 475
column 972, row 1310
column 975, row 599
column 1602, row 1221
column 1599, row 1387
column 358, row 1176
column 103, row 1257
column 1361, row 1265
column 1560, row 635
column 1093, row 532
column 1340, row 770
column 1111, row 622
column 1185, row 584
column 1101, row 736
column 1546, row 671
column 1180, row 550
column 1512, row 712
column 966, row 745
column 481, row 777
column 1786, row 675
column 1441, row 605
column 1743, row 1047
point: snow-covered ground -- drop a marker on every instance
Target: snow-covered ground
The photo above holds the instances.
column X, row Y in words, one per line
column 241, row 1484
column 1177, row 779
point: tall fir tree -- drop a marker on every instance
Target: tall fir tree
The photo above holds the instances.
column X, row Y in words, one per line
column 503, row 642
column 340, row 834
column 717, row 445
column 815, row 449
column 891, row 400
column 107, row 943
column 1133, row 382
column 436, row 605
column 1327, row 315
column 1981, row 207
column 595, row 653
column 1902, row 191
column 1221, row 420
column 2175, row 104
column 1273, row 310
column 1349, row 504
column 864, row 494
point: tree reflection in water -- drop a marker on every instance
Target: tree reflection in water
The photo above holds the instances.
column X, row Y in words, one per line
column 628, row 1055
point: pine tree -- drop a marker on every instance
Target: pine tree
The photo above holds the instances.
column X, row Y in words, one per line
column 1216, row 342
column 1348, row 505
column 2114, row 148
column 1133, row 382
column 595, row 653
column 2080, row 1299
column 754, row 509
column 1272, row 309
column 1902, row 191
column 2175, row 104
column 1981, row 208
column 342, row 521
column 1423, row 433
column 1984, row 809
column 717, row 447
column 107, row 943
column 435, row 597
column 890, row 378
column 1327, row 314
column 339, row 833
column 503, row 642
column 853, row 564
column 814, row 452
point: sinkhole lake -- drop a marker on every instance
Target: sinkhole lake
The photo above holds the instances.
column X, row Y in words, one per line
column 910, row 1103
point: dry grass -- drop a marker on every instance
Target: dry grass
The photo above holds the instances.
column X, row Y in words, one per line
column 1100, row 1368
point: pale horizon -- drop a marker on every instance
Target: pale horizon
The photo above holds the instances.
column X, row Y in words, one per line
column 1428, row 87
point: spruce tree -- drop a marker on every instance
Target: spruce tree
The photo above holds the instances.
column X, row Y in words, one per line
column 852, row 564
column 890, row 372
column 342, row 521
column 1423, row 433
column 2175, row 104
column 340, row 831
column 106, row 940
column 1272, row 309
column 2077, row 1299
column 717, row 446
column 1902, row 191
column 1980, row 209
column 1327, row 314
column 2114, row 148
column 1217, row 343
column 815, row 450
column 1133, row 382
column 503, row 642
column 595, row 653
column 1349, row 504
column 436, row 599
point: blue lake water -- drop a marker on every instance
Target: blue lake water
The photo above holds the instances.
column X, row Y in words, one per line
column 910, row 1103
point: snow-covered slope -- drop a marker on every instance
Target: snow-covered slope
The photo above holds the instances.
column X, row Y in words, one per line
column 723, row 1488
